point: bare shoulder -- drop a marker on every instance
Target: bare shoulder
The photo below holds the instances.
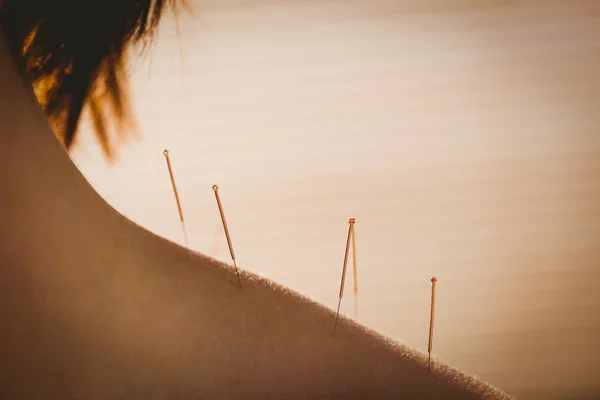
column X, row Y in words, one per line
column 143, row 318
column 265, row 340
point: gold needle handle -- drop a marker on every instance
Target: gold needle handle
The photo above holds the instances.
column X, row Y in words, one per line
column 354, row 271
column 431, row 317
column 350, row 225
column 216, row 190
column 237, row 272
column 166, row 154
column 337, row 314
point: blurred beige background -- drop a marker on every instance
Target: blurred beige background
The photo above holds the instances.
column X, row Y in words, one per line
column 462, row 135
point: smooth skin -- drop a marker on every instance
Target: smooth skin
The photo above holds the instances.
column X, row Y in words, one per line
column 93, row 306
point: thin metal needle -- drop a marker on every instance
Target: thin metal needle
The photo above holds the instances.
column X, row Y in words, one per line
column 337, row 314
column 185, row 236
column 216, row 190
column 431, row 315
column 166, row 154
column 351, row 222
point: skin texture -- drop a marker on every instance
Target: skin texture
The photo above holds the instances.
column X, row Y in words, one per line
column 94, row 306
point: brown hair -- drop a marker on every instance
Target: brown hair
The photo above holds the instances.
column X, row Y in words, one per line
column 74, row 54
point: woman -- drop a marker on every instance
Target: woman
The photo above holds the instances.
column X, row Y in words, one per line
column 93, row 306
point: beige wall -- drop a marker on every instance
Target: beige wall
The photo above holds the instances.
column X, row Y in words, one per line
column 462, row 135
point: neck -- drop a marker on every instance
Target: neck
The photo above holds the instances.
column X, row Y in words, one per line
column 45, row 199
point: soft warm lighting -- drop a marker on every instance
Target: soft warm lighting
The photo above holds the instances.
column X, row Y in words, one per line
column 465, row 141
